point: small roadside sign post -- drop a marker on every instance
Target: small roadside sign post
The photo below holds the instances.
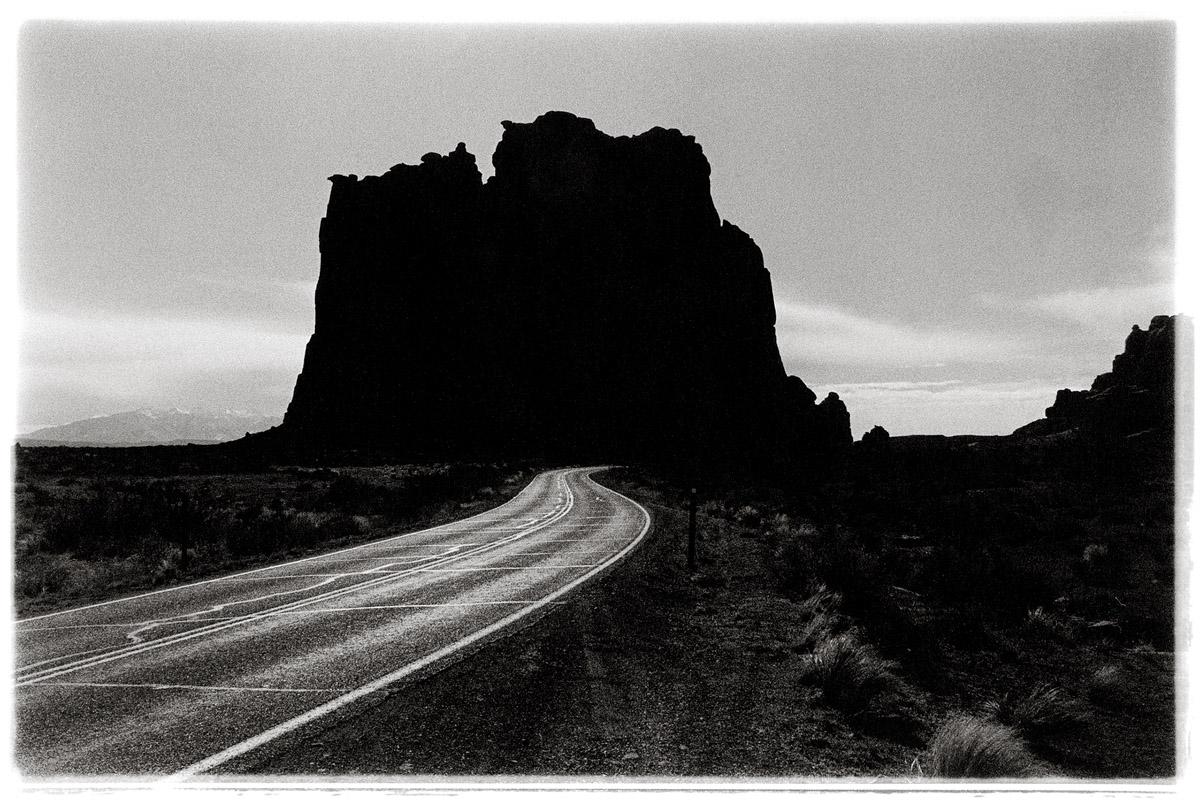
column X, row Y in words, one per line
column 692, row 529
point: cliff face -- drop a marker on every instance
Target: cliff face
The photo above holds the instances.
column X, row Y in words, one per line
column 586, row 301
column 1137, row 396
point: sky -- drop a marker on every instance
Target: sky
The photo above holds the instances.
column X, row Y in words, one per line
column 958, row 219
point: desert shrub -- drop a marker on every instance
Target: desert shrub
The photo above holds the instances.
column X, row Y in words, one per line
column 1103, row 565
column 121, row 518
column 1147, row 617
column 1108, row 686
column 907, row 634
column 1095, row 553
column 59, row 574
column 963, row 571
column 806, row 562
column 1041, row 710
column 791, row 562
column 841, row 561
column 399, row 499
column 820, row 617
column 40, row 573
column 261, row 531
column 346, row 492
column 849, row 673
column 1043, row 624
column 966, row 629
column 748, row 516
column 778, row 523
column 967, row 747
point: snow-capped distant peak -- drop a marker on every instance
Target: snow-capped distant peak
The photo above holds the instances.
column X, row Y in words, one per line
column 155, row 425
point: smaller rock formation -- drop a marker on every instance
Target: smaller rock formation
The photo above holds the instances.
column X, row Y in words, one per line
column 877, row 438
column 824, row 427
column 834, row 422
column 1137, row 396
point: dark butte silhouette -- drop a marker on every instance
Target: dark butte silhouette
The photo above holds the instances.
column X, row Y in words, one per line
column 1137, row 397
column 877, row 438
column 585, row 302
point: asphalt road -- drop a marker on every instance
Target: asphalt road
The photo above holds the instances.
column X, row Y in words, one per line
column 180, row 681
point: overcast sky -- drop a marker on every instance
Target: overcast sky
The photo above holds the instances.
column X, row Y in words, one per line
column 958, row 220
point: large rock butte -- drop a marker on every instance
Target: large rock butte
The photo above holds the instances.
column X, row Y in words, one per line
column 585, row 302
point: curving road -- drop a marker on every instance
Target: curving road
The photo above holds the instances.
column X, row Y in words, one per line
column 180, row 681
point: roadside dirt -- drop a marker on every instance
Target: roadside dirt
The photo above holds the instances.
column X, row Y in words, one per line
column 649, row 671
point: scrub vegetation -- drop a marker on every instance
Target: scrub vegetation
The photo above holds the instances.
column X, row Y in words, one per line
column 90, row 524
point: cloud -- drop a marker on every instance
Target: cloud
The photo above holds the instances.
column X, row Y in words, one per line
column 945, row 407
column 1107, row 310
column 824, row 334
column 81, row 364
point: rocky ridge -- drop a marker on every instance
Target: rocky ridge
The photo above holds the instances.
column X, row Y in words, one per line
column 1136, row 397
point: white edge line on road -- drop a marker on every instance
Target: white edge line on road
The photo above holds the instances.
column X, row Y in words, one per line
column 285, row 563
column 329, row 707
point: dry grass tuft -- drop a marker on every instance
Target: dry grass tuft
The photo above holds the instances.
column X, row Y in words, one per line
column 1041, row 710
column 1043, row 624
column 849, row 672
column 1109, row 686
column 820, row 614
column 968, row 747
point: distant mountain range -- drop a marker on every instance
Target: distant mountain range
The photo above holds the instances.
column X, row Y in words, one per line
column 148, row 426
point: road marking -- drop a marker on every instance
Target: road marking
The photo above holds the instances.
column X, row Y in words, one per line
column 465, row 530
column 540, row 553
column 448, row 550
column 336, row 703
column 135, row 635
column 414, row 605
column 62, row 657
column 513, row 569
column 136, row 649
column 338, row 609
column 188, row 686
column 513, row 499
column 592, row 539
column 425, row 544
column 298, row 576
column 114, row 654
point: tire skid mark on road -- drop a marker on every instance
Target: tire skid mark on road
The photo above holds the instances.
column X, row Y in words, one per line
column 136, row 635
column 561, row 508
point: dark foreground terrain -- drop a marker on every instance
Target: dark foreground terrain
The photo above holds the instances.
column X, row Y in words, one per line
column 978, row 607
column 812, row 648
